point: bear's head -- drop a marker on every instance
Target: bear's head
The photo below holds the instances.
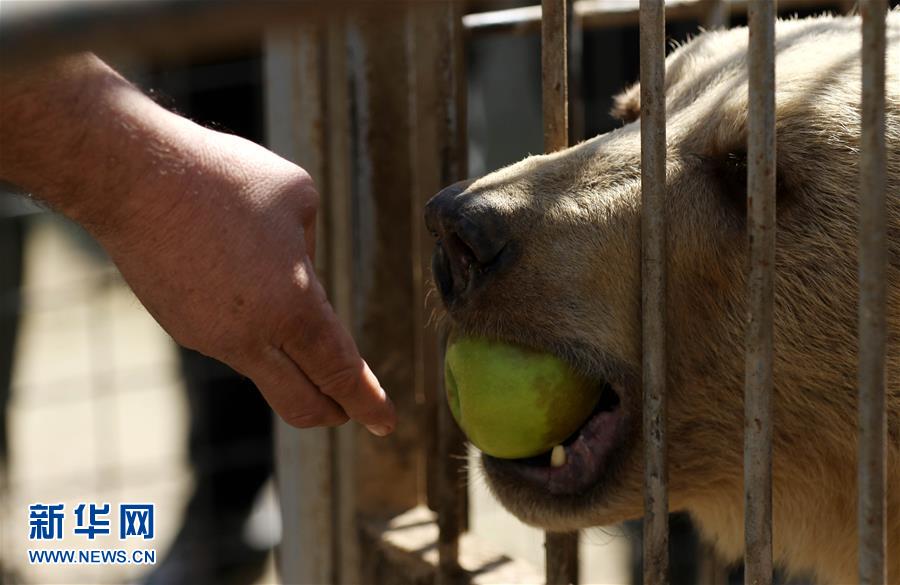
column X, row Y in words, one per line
column 546, row 253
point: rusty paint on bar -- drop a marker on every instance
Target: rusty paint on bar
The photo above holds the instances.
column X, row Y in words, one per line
column 560, row 549
column 872, row 295
column 295, row 110
column 32, row 31
column 653, row 290
column 554, row 75
column 716, row 14
column 428, row 95
column 575, row 46
column 338, row 213
column 561, row 555
column 711, row 570
column 435, row 46
column 761, row 234
column 451, row 449
column 600, row 14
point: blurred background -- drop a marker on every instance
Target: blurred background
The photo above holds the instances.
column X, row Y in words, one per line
column 98, row 404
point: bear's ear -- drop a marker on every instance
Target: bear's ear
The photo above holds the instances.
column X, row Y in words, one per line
column 627, row 105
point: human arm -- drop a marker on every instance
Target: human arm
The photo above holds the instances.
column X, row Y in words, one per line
column 213, row 233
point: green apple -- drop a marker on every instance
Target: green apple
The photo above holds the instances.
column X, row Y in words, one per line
column 513, row 402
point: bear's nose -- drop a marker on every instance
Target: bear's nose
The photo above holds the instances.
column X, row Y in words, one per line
column 471, row 240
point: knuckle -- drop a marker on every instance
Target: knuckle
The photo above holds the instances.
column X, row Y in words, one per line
column 303, row 421
column 312, row 418
column 340, row 383
column 305, row 188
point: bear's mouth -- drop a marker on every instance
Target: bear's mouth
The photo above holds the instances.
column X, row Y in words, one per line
column 577, row 464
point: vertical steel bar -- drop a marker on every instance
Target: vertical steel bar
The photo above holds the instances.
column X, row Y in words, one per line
column 426, row 74
column 340, row 226
column 437, row 127
column 303, row 459
column 575, row 59
column 761, row 234
column 554, row 75
column 716, row 15
column 381, row 180
column 710, row 570
column 452, row 486
column 454, row 515
column 560, row 549
column 872, row 294
column 653, row 289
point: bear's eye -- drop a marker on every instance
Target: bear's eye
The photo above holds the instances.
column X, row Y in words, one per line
column 729, row 174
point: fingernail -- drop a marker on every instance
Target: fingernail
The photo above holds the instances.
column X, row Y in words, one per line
column 379, row 430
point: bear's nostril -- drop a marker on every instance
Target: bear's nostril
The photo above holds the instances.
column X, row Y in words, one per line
column 460, row 251
column 471, row 238
column 483, row 241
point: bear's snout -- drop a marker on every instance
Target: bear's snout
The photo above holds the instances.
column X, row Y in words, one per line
column 472, row 241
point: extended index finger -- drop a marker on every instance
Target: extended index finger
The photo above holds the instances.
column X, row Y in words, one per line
column 323, row 349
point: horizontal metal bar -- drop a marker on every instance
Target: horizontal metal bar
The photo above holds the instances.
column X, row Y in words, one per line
column 872, row 297
column 761, row 296
column 653, row 289
column 596, row 14
column 32, row 31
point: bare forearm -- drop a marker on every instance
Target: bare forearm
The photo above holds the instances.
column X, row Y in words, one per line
column 212, row 232
column 78, row 136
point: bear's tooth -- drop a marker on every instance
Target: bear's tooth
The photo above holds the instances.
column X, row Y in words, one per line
column 558, row 456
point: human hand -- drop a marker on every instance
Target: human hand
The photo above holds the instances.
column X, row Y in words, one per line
column 220, row 253
column 214, row 234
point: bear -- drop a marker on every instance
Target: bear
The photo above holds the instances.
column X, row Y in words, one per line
column 546, row 253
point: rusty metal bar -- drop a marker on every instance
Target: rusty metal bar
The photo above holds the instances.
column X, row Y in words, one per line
column 32, row 31
column 304, row 459
column 653, row 289
column 451, row 449
column 761, row 298
column 599, row 14
column 872, row 295
column 560, row 549
column 575, row 45
column 437, row 126
column 716, row 14
column 554, row 75
column 710, row 570
column 338, row 217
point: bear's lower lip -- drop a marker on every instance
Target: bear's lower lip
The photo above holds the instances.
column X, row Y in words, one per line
column 587, row 454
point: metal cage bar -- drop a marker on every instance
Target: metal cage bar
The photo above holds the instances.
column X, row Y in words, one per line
column 554, row 75
column 872, row 295
column 760, row 326
column 561, row 549
column 294, row 99
column 653, row 289
column 437, row 126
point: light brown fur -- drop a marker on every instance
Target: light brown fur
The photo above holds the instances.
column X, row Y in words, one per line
column 575, row 289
